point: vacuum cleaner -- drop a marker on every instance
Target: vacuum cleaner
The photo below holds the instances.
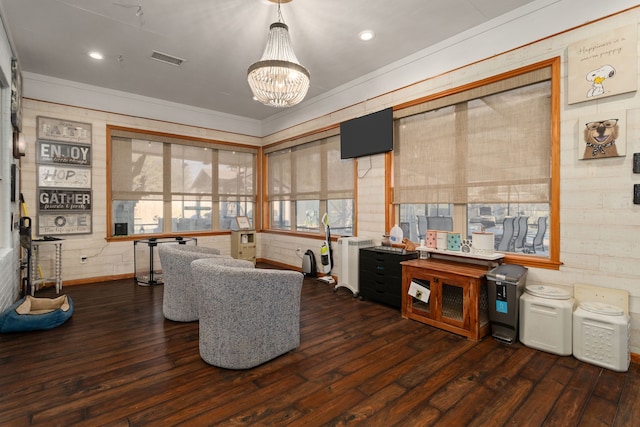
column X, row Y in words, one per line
column 326, row 253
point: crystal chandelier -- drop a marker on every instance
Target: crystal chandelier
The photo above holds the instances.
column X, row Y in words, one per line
column 278, row 79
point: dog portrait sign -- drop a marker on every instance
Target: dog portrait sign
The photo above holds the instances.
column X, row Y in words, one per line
column 604, row 65
column 602, row 135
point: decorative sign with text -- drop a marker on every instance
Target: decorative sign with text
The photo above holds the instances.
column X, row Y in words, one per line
column 604, row 65
column 63, row 153
column 63, row 200
column 60, row 176
column 63, row 157
column 64, row 223
column 63, row 130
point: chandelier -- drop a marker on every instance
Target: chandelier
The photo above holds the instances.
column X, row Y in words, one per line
column 278, row 79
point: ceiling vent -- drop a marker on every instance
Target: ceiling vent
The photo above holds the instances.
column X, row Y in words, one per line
column 168, row 59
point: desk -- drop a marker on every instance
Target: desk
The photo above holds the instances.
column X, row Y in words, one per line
column 458, row 302
column 146, row 263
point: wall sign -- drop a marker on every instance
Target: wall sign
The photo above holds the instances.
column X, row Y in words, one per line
column 604, row 65
column 63, row 157
column 64, row 223
column 63, row 130
column 603, row 135
column 62, row 153
column 60, row 176
column 64, row 200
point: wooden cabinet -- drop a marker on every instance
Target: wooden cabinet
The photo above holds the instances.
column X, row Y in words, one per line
column 243, row 245
column 458, row 301
column 380, row 274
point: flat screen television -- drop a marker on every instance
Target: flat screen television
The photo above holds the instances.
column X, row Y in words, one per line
column 367, row 135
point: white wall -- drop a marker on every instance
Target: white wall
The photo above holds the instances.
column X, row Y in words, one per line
column 9, row 237
column 599, row 224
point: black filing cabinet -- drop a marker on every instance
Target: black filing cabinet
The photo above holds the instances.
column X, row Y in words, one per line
column 380, row 274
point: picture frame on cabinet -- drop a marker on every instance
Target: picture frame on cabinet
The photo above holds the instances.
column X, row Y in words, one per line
column 243, row 223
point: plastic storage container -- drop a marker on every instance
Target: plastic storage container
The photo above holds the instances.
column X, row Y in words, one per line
column 546, row 316
column 601, row 335
column 505, row 284
column 396, row 235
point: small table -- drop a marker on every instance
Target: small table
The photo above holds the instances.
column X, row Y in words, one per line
column 35, row 264
column 146, row 263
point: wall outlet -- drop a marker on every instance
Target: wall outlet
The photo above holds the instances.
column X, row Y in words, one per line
column 83, row 259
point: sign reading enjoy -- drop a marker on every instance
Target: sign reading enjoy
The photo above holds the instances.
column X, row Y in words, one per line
column 61, row 153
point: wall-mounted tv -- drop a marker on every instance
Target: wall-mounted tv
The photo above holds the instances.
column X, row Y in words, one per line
column 367, row 135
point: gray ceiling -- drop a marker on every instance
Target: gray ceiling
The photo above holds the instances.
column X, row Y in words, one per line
column 220, row 38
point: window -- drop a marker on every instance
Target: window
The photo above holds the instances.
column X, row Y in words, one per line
column 162, row 184
column 308, row 180
column 483, row 156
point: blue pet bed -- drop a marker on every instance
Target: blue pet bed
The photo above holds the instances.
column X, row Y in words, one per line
column 33, row 314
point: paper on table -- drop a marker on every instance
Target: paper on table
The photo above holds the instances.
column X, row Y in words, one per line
column 419, row 292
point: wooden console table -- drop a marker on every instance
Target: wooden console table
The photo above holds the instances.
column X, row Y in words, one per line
column 458, row 301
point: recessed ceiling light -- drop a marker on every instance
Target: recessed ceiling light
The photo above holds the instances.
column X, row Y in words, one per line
column 96, row 55
column 366, row 35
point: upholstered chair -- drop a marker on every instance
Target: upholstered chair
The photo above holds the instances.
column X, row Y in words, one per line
column 248, row 316
column 179, row 302
column 198, row 249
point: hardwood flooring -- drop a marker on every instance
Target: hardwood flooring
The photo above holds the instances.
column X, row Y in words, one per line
column 118, row 362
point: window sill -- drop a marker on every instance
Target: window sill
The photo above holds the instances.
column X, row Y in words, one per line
column 531, row 261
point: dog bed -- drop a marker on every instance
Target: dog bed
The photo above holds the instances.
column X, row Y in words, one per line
column 32, row 314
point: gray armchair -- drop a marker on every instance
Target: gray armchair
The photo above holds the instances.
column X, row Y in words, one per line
column 198, row 249
column 179, row 302
column 247, row 316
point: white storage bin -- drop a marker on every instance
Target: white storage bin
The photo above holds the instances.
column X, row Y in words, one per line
column 601, row 335
column 546, row 319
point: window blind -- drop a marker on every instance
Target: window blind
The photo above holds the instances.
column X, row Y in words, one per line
column 310, row 171
column 489, row 144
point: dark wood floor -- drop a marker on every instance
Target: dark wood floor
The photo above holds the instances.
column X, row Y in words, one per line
column 118, row 362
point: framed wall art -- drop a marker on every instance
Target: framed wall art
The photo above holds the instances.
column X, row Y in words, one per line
column 64, row 223
column 603, row 65
column 63, row 130
column 64, row 176
column 602, row 135
column 51, row 152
